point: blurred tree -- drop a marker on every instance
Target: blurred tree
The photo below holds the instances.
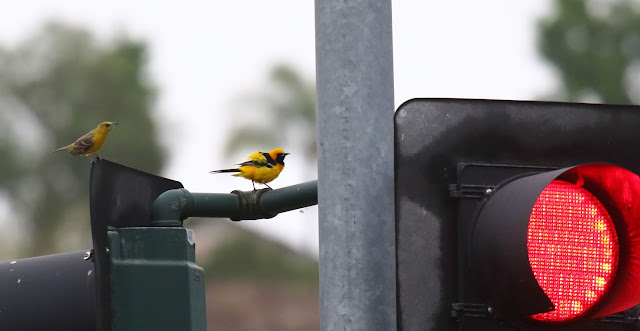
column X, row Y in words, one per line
column 245, row 255
column 595, row 46
column 54, row 87
column 284, row 113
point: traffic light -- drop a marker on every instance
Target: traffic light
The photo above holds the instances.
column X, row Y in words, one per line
column 517, row 215
column 549, row 247
column 141, row 273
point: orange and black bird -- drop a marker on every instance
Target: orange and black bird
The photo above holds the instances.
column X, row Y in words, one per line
column 260, row 168
column 91, row 142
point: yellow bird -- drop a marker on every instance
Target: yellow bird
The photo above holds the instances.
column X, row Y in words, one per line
column 91, row 142
column 260, row 168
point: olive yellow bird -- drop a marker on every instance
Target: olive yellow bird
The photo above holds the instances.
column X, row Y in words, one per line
column 91, row 142
column 260, row 168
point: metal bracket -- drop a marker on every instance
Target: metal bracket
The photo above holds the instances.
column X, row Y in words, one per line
column 470, row 191
column 627, row 317
column 479, row 310
column 485, row 187
column 615, row 318
column 250, row 206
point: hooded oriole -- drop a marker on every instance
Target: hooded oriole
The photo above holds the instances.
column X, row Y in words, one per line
column 91, row 142
column 260, row 168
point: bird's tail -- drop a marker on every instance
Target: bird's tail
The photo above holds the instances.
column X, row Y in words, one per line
column 65, row 148
column 224, row 170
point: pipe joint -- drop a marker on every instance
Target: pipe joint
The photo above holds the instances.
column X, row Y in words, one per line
column 251, row 205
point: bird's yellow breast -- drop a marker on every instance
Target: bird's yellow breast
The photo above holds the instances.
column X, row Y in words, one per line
column 260, row 175
column 98, row 141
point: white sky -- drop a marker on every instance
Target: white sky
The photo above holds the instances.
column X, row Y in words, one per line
column 205, row 54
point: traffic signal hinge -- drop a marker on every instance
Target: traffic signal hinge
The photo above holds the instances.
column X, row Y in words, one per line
column 479, row 310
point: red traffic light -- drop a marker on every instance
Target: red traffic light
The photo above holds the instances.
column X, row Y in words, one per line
column 573, row 249
column 456, row 159
column 567, row 240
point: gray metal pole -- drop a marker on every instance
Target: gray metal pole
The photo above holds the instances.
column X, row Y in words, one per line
column 354, row 72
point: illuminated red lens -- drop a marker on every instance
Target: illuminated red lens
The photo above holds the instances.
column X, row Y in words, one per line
column 573, row 249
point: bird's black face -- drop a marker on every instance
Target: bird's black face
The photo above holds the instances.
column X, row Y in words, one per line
column 280, row 157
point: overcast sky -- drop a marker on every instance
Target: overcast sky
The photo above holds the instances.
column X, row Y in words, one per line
column 205, row 54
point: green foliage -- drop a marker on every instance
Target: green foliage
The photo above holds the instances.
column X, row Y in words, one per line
column 249, row 257
column 55, row 87
column 595, row 46
column 285, row 112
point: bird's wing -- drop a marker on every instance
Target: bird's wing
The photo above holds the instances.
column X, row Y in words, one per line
column 257, row 159
column 82, row 145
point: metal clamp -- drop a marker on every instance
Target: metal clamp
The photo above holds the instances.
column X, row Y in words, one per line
column 480, row 310
column 251, row 206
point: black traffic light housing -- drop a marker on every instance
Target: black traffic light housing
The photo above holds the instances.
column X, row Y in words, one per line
column 449, row 150
column 71, row 291
column 516, row 289
column 51, row 292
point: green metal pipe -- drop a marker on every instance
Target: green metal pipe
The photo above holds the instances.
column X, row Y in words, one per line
column 174, row 206
column 291, row 197
column 213, row 205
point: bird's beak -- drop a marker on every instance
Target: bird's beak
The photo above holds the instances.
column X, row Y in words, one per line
column 286, row 153
column 114, row 123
